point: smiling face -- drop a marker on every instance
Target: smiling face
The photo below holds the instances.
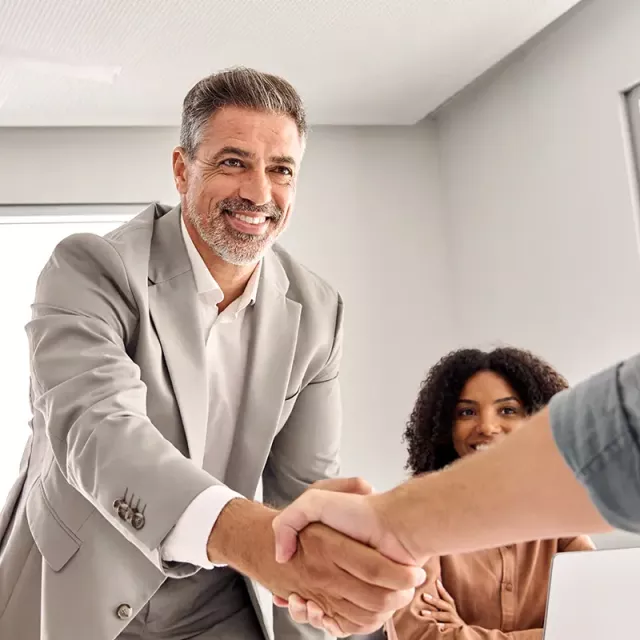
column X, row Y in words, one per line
column 487, row 410
column 238, row 190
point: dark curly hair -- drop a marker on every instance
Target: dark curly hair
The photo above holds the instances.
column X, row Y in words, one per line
column 430, row 427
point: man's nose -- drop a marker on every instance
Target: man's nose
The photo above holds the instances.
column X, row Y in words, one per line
column 256, row 188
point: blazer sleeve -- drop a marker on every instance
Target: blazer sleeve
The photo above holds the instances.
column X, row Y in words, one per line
column 92, row 399
column 307, row 450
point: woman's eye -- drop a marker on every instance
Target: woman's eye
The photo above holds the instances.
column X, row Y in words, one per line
column 465, row 413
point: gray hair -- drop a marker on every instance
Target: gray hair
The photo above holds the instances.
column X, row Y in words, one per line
column 237, row 87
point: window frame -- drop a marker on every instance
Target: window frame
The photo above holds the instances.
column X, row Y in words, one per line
column 68, row 213
column 632, row 107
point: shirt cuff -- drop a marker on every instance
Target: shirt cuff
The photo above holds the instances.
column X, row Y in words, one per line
column 187, row 541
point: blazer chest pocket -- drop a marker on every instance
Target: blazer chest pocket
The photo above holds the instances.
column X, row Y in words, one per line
column 54, row 540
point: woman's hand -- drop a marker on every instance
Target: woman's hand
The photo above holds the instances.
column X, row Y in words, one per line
column 441, row 610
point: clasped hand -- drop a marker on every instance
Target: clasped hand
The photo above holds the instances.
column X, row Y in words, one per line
column 351, row 582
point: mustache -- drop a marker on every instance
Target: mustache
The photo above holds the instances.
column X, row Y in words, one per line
column 270, row 210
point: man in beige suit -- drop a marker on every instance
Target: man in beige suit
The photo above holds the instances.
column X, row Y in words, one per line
column 175, row 364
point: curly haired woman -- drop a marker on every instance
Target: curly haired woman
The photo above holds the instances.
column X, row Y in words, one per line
column 469, row 401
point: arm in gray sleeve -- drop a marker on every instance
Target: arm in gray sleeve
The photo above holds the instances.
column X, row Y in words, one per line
column 596, row 426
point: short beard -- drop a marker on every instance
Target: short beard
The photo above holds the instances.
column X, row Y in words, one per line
column 234, row 247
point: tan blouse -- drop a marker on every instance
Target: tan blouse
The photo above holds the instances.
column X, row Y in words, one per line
column 500, row 593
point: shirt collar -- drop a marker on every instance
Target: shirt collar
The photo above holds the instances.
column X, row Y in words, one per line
column 206, row 284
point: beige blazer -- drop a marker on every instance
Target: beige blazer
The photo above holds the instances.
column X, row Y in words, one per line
column 120, row 405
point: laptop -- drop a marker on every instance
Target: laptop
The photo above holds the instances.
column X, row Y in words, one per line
column 594, row 595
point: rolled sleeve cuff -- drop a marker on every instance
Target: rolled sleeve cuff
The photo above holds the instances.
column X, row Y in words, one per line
column 596, row 426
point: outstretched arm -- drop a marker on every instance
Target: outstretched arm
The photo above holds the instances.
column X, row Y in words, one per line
column 520, row 490
column 567, row 471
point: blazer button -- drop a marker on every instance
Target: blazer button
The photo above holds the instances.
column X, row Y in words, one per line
column 124, row 611
column 137, row 520
column 125, row 512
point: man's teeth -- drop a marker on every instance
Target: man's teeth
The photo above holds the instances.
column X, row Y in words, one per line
column 250, row 219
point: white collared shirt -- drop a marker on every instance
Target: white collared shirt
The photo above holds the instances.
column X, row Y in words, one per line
column 226, row 337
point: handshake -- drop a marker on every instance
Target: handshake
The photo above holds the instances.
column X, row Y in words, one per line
column 346, row 559
column 357, row 570
column 339, row 564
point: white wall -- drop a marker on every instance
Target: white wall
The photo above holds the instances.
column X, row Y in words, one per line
column 540, row 198
column 86, row 165
column 368, row 219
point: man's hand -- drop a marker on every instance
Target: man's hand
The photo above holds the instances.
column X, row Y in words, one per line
column 358, row 516
column 363, row 518
column 309, row 612
column 353, row 485
column 354, row 585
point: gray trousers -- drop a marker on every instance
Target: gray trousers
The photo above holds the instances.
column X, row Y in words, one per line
column 211, row 605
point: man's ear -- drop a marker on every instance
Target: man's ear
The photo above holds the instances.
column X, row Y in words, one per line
column 180, row 163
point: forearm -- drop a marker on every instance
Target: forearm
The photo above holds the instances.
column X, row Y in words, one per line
column 520, row 490
column 243, row 539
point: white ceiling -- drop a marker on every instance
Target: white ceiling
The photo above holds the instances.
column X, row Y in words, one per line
column 354, row 61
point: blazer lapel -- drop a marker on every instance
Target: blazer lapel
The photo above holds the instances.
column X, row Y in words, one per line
column 276, row 320
column 174, row 312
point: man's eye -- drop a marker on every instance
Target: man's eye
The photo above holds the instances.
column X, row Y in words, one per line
column 285, row 171
column 231, row 162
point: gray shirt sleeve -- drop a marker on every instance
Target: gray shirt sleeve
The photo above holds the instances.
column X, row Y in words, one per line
column 596, row 426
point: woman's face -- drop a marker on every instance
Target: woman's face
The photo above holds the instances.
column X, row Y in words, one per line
column 488, row 410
